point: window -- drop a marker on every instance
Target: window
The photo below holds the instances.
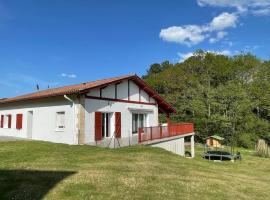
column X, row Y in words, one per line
column 138, row 121
column 105, row 125
column 60, row 120
column 5, row 121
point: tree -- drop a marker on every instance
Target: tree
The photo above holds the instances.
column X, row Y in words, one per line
column 221, row 94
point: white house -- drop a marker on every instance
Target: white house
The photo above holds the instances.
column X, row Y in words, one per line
column 118, row 111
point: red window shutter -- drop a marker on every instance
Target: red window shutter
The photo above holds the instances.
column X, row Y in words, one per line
column 98, row 126
column 118, row 124
column 19, row 121
column 2, row 121
column 9, row 121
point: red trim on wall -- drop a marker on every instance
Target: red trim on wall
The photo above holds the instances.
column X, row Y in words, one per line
column 139, row 94
column 118, row 124
column 128, row 90
column 118, row 100
column 116, row 88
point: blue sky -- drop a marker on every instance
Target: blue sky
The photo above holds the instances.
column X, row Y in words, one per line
column 63, row 42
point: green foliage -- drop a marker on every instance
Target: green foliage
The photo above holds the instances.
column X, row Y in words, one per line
column 228, row 95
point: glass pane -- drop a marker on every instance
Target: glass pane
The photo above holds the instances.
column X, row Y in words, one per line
column 141, row 121
column 135, row 123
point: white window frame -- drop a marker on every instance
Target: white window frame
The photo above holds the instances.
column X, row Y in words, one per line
column 57, row 124
column 110, row 124
column 5, row 125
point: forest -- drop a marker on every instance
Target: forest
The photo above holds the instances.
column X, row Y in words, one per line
column 224, row 95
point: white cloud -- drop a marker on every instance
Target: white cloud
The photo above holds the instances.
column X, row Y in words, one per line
column 193, row 34
column 220, row 35
column 223, row 21
column 224, row 52
column 256, row 7
column 184, row 56
column 69, row 75
column 189, row 35
column 261, row 12
column 239, row 4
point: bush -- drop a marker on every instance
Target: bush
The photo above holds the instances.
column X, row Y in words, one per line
column 246, row 140
column 262, row 149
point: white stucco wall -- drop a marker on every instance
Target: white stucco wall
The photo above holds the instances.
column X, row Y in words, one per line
column 44, row 115
column 122, row 92
column 126, row 109
column 44, row 120
column 176, row 146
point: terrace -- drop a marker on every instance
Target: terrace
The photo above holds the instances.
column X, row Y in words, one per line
column 170, row 137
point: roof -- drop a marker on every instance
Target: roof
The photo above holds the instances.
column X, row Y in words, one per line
column 216, row 137
column 84, row 88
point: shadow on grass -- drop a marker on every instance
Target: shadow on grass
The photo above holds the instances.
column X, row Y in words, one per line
column 28, row 184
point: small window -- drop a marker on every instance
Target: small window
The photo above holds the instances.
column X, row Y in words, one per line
column 60, row 120
column 6, row 121
column 106, row 125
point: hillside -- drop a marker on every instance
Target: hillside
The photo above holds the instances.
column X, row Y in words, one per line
column 37, row 170
column 227, row 96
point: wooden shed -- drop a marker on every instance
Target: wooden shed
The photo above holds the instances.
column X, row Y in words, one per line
column 214, row 141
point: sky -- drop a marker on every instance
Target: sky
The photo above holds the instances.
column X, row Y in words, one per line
column 61, row 42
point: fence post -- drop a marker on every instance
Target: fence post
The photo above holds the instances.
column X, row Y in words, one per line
column 151, row 137
column 160, row 132
column 140, row 135
column 192, row 145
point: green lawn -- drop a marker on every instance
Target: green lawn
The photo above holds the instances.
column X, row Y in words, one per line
column 37, row 170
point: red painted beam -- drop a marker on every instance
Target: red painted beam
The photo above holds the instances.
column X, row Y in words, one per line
column 118, row 100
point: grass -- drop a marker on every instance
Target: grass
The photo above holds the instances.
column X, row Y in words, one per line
column 41, row 170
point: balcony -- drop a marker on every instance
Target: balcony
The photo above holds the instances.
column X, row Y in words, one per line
column 148, row 134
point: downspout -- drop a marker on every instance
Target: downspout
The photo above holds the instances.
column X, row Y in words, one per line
column 74, row 117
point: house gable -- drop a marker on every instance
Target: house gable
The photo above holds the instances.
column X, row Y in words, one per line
column 125, row 91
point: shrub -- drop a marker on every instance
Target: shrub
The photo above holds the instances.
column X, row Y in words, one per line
column 262, row 148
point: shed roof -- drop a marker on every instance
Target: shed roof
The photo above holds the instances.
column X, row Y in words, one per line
column 84, row 88
column 217, row 137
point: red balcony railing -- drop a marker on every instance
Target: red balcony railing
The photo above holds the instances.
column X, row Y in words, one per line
column 159, row 132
